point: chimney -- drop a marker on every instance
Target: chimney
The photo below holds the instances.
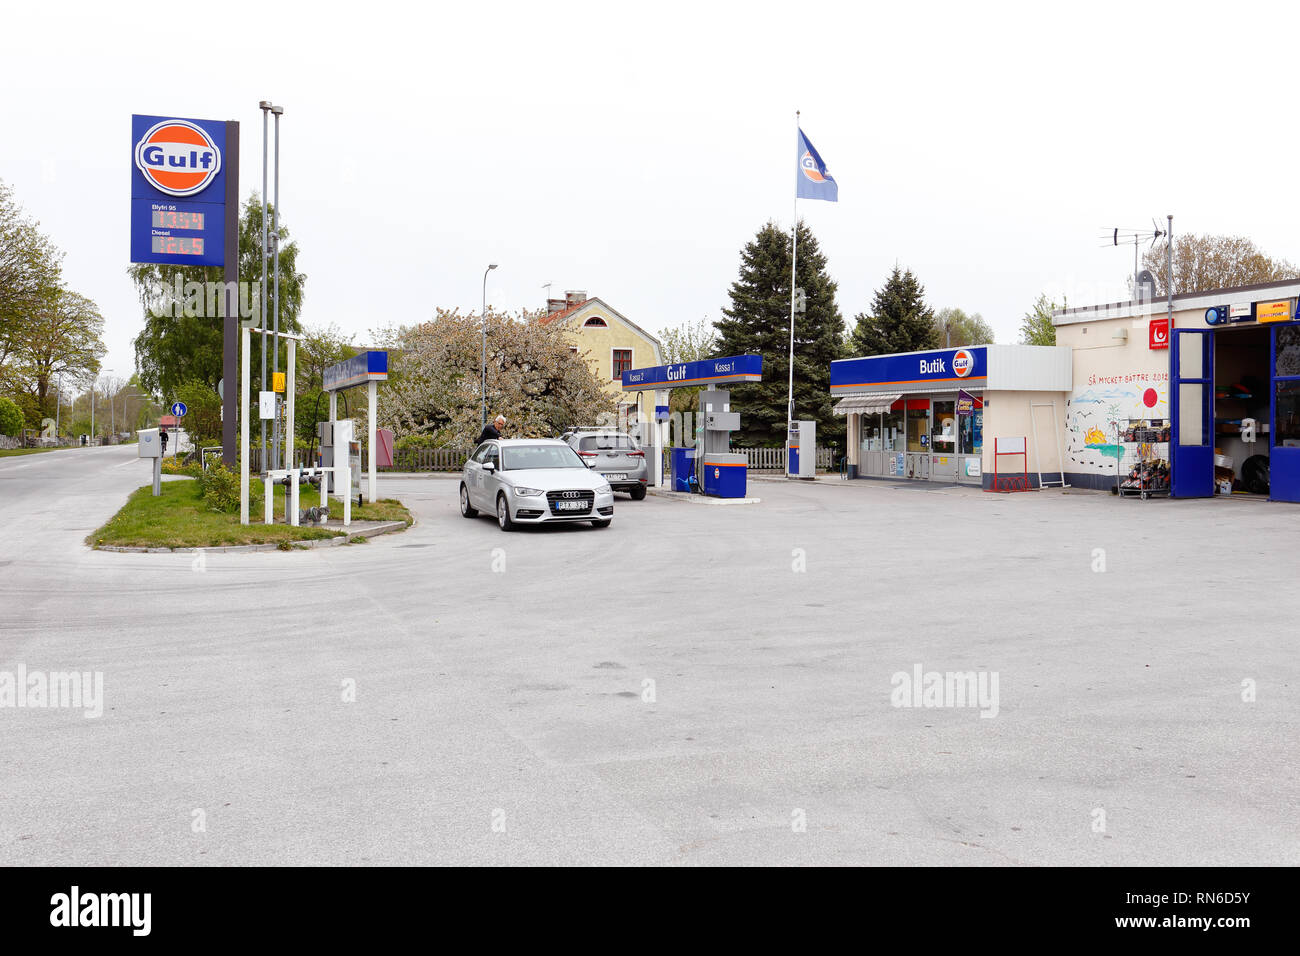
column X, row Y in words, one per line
column 554, row 305
column 574, row 297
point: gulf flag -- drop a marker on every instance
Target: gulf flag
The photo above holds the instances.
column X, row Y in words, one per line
column 812, row 179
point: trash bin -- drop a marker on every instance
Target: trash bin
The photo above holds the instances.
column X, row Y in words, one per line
column 683, row 464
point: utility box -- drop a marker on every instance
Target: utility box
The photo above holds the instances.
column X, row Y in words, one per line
column 801, row 450
column 150, row 446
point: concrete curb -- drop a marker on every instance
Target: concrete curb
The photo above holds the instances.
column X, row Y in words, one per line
column 386, row 527
column 701, row 499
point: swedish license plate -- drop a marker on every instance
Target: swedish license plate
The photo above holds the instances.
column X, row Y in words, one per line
column 571, row 506
column 619, row 476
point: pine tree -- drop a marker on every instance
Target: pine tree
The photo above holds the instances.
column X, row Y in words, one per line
column 758, row 322
column 899, row 320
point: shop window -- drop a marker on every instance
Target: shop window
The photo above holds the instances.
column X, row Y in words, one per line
column 891, row 430
column 943, row 434
column 1193, row 429
column 1191, row 357
column 1286, row 428
column 869, row 434
column 918, row 428
column 1288, row 351
column 971, row 428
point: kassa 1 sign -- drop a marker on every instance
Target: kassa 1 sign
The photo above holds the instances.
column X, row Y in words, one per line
column 1159, row 334
column 178, row 190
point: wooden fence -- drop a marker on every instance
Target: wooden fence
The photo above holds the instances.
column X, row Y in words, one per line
column 773, row 459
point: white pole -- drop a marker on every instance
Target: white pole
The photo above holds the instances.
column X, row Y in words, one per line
column 372, row 391
column 794, row 279
column 243, row 424
column 332, row 480
column 290, row 390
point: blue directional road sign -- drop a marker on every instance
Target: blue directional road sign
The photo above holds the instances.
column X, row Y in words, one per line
column 179, row 409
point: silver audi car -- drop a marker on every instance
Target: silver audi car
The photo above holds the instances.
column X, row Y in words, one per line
column 533, row 481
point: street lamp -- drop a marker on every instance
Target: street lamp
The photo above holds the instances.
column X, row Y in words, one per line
column 483, row 357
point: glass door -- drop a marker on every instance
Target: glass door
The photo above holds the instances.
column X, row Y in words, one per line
column 918, row 438
column 1191, row 397
column 943, row 440
column 1284, row 415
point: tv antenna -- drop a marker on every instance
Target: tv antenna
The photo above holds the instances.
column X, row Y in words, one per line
column 1135, row 238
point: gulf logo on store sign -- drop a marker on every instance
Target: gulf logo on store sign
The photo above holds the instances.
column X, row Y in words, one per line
column 178, row 158
column 962, row 363
column 809, row 167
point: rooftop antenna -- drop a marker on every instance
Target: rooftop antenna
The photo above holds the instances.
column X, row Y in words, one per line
column 1135, row 238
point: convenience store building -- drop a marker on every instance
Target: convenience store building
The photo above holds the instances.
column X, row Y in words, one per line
column 934, row 415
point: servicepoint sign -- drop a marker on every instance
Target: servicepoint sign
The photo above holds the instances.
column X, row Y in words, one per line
column 178, row 191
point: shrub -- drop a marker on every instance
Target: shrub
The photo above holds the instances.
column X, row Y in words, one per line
column 220, row 488
column 11, row 417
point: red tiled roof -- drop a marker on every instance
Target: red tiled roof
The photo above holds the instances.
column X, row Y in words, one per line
column 557, row 316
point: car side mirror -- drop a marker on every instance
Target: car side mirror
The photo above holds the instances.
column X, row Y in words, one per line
column 589, row 463
column 488, row 466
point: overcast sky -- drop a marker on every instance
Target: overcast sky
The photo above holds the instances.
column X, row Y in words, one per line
column 632, row 150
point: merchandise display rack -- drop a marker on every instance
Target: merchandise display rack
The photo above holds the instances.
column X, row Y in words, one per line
column 1144, row 470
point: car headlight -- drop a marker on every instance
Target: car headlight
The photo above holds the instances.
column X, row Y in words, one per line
column 529, row 492
column 603, row 488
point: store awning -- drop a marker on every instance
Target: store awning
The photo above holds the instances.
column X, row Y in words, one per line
column 865, row 404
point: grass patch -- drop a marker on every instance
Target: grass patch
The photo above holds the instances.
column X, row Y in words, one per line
column 14, row 452
column 179, row 518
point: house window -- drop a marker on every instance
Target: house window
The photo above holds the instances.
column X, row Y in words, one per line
column 622, row 362
column 595, row 323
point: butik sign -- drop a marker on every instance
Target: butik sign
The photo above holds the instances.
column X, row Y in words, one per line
column 968, row 366
column 178, row 191
column 1158, row 334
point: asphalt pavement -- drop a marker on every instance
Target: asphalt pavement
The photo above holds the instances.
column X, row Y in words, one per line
column 690, row 686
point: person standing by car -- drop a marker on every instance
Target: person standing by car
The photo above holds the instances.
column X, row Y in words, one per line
column 492, row 430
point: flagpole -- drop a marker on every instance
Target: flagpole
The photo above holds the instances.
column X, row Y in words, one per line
column 794, row 272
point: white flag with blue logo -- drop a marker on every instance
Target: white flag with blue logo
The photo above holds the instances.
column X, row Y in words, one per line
column 813, row 181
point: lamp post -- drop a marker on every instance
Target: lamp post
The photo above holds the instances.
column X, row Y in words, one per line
column 483, row 356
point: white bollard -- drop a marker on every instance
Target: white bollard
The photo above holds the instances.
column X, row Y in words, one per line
column 291, row 506
column 268, row 507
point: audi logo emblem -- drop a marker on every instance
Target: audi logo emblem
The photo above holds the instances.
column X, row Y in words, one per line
column 573, row 494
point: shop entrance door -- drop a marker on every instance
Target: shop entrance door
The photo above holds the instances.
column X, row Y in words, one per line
column 1284, row 433
column 1191, row 397
column 917, row 463
column 943, row 439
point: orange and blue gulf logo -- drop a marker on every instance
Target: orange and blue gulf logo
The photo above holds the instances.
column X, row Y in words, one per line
column 809, row 167
column 962, row 363
column 178, row 158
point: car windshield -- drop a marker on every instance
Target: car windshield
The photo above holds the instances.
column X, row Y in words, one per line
column 519, row 457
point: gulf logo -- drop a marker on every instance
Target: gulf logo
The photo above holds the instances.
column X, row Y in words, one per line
column 178, row 158
column 962, row 362
column 809, row 166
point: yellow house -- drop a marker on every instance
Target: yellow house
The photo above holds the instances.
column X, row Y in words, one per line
column 611, row 343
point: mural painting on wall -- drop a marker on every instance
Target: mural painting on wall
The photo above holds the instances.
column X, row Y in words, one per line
column 1095, row 411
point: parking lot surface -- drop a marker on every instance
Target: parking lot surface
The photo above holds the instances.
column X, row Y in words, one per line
column 691, row 686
